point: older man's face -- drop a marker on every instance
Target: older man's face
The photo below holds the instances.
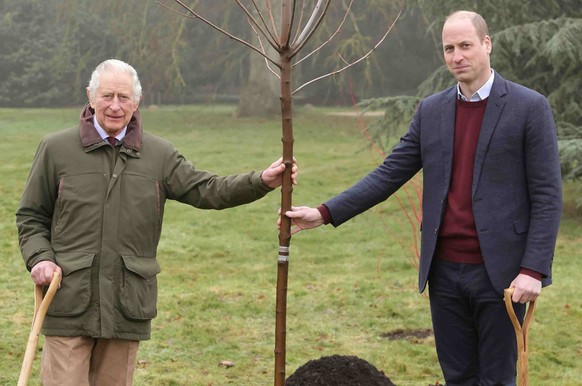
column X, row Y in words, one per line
column 114, row 102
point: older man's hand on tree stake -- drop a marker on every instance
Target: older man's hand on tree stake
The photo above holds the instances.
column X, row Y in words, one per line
column 272, row 176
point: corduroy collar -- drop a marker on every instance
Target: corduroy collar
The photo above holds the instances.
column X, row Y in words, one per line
column 90, row 136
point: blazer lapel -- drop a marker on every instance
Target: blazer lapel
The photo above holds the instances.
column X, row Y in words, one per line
column 447, row 128
column 493, row 111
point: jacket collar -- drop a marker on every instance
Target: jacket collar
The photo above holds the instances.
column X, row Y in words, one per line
column 90, row 136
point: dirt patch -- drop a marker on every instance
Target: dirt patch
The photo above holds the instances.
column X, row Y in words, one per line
column 338, row 370
column 402, row 334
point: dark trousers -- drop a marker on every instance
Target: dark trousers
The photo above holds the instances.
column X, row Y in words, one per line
column 474, row 337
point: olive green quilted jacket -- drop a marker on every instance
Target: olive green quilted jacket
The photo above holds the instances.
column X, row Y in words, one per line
column 96, row 211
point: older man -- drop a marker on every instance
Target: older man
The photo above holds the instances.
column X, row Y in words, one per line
column 491, row 204
column 92, row 210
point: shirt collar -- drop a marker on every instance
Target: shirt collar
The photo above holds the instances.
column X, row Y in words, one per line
column 104, row 134
column 481, row 94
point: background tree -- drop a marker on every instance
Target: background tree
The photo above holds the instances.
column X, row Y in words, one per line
column 26, row 54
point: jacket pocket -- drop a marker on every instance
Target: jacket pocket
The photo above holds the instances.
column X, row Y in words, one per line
column 139, row 287
column 74, row 295
column 521, row 225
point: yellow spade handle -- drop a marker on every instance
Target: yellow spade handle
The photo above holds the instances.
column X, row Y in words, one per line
column 521, row 334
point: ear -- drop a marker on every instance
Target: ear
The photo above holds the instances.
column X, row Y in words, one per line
column 488, row 44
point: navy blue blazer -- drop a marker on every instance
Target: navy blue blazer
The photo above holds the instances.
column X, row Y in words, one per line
column 516, row 191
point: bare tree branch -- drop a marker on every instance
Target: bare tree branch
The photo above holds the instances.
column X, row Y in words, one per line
column 342, row 58
column 270, row 10
column 311, row 26
column 178, row 13
column 298, row 31
column 264, row 51
column 354, row 62
column 195, row 15
column 330, row 38
column 287, row 23
column 273, row 41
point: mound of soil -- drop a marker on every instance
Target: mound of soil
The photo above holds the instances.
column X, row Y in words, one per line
column 337, row 370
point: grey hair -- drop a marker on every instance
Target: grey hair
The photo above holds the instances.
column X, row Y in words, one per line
column 114, row 64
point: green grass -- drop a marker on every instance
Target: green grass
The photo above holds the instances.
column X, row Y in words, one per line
column 348, row 287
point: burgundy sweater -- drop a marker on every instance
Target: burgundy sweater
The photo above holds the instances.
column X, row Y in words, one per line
column 458, row 240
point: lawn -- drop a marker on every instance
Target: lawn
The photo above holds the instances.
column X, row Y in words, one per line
column 352, row 290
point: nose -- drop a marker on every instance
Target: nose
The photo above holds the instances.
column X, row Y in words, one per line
column 115, row 104
column 457, row 56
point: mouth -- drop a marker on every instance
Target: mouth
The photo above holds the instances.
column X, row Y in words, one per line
column 460, row 68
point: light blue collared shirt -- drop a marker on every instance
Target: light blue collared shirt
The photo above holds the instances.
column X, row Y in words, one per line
column 481, row 94
column 104, row 134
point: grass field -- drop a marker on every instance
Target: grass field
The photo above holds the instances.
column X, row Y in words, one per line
column 350, row 288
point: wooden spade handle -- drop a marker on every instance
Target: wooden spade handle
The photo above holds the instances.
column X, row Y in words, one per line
column 40, row 308
column 521, row 334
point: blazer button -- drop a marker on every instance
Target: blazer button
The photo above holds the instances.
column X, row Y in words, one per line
column 436, row 231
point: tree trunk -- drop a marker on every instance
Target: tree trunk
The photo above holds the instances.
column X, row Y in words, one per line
column 286, row 192
column 285, row 231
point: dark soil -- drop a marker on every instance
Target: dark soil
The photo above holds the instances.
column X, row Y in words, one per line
column 337, row 370
column 401, row 334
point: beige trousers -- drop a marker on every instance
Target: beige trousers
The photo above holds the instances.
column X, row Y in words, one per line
column 85, row 361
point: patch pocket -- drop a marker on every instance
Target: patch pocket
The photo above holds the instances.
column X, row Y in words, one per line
column 74, row 295
column 139, row 288
column 521, row 225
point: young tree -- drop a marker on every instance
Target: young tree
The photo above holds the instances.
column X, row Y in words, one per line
column 286, row 26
